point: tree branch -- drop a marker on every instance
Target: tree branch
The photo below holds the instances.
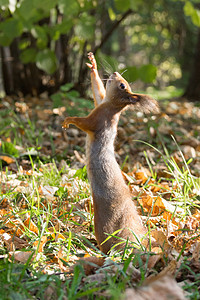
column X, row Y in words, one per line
column 112, row 29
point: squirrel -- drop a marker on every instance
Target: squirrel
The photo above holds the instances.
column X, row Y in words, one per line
column 114, row 210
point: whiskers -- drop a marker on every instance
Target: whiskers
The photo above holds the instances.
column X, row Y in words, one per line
column 124, row 72
column 107, row 79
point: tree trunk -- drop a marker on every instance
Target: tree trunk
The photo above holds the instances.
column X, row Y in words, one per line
column 193, row 89
column 7, row 70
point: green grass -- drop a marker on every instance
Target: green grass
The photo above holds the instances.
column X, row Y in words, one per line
column 181, row 178
column 28, row 281
column 63, row 211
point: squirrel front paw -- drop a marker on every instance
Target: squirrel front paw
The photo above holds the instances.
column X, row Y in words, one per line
column 93, row 65
column 66, row 123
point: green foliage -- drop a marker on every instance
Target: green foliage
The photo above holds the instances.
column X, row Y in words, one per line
column 127, row 4
column 46, row 61
column 157, row 38
column 28, row 55
column 192, row 12
column 122, row 5
column 10, row 29
column 65, row 95
column 9, row 148
column 25, row 18
column 85, row 27
column 81, row 173
column 69, row 8
column 37, row 45
column 40, row 34
column 52, row 176
column 146, row 73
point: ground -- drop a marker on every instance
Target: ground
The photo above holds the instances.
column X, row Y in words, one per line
column 46, row 210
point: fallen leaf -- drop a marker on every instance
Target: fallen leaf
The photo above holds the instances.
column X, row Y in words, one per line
column 21, row 256
column 152, row 261
column 9, row 160
column 57, row 236
column 48, row 191
column 163, row 288
column 157, row 205
column 142, row 175
column 91, row 264
column 196, row 251
column 160, row 239
column 13, row 242
column 40, row 244
column 31, row 225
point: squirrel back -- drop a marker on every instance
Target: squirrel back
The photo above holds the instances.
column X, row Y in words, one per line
column 114, row 209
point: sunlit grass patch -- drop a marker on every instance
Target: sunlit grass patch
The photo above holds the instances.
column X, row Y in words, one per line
column 46, row 217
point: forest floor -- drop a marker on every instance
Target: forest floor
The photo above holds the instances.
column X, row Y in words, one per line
column 47, row 243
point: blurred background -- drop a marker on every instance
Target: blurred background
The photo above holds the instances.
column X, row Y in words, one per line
column 155, row 44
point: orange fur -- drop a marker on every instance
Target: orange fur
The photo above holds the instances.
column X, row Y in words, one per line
column 113, row 206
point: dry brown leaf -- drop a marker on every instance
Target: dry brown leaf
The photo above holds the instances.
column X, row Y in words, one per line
column 142, row 175
column 160, row 239
column 21, row 107
column 167, row 271
column 160, row 187
column 13, row 242
column 48, row 191
column 5, row 204
column 157, row 205
column 163, row 288
column 21, row 256
column 57, row 236
column 196, row 252
column 51, row 292
column 3, row 212
column 31, row 225
column 9, row 160
column 193, row 222
column 152, row 261
column 128, row 178
column 91, row 264
column 61, row 258
column 40, row 244
column 148, row 202
column 99, row 278
column 44, row 114
column 2, row 231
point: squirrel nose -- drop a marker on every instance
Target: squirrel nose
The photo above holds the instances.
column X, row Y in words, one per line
column 116, row 74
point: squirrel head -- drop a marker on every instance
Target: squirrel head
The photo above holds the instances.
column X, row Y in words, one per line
column 119, row 93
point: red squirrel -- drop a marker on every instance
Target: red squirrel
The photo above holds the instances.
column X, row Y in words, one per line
column 113, row 206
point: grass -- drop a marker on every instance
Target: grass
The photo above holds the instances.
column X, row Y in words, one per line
column 186, row 186
column 49, row 208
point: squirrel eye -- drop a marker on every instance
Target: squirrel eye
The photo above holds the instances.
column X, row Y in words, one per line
column 122, row 86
